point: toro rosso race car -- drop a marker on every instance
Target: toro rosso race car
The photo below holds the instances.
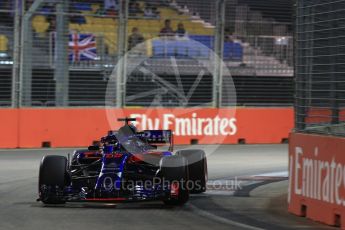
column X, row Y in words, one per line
column 125, row 166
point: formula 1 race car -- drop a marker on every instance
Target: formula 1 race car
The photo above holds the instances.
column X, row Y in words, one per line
column 125, row 166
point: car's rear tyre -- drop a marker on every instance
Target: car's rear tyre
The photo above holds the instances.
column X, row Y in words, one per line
column 52, row 179
column 174, row 171
column 197, row 166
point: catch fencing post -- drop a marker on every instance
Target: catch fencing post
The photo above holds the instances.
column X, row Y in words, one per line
column 61, row 71
column 26, row 54
column 218, row 52
column 16, row 53
column 122, row 49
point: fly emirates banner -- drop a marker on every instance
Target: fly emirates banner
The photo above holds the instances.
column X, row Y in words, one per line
column 214, row 126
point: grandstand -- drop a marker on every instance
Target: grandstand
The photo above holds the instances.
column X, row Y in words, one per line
column 106, row 26
column 3, row 44
column 257, row 48
column 6, row 50
column 279, row 10
column 200, row 30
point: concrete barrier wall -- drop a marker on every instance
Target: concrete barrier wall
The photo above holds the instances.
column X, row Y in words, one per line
column 30, row 128
column 9, row 128
column 317, row 178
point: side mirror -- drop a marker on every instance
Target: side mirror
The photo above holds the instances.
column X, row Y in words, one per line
column 93, row 148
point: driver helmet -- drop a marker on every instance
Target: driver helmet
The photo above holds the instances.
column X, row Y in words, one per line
column 133, row 128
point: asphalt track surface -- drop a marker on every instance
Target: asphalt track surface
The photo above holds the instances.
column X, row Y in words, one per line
column 19, row 209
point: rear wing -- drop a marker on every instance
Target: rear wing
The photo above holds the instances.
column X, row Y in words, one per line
column 159, row 137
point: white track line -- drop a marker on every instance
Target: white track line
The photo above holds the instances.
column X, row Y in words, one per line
column 274, row 174
column 221, row 219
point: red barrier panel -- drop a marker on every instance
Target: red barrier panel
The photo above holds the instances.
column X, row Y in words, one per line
column 9, row 128
column 79, row 127
column 61, row 127
column 322, row 115
column 317, row 178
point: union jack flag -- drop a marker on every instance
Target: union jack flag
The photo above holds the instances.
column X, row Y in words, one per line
column 82, row 47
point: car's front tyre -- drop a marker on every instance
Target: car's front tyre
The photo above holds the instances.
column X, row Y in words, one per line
column 52, row 179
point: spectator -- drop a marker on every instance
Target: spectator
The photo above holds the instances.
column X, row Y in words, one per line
column 111, row 5
column 150, row 13
column 131, row 8
column 167, row 30
column 77, row 19
column 195, row 16
column 52, row 22
column 135, row 38
column 134, row 8
column 28, row 4
column 184, row 10
column 111, row 11
column 173, row 4
column 229, row 38
column 138, row 8
column 181, row 31
column 155, row 11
